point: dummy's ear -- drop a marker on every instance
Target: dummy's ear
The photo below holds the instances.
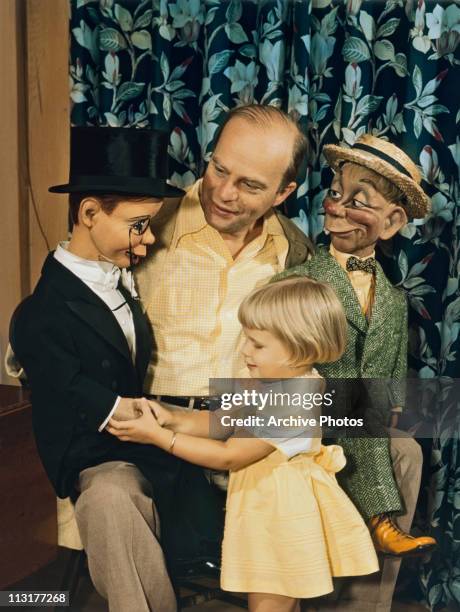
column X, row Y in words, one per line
column 284, row 193
column 396, row 219
column 89, row 207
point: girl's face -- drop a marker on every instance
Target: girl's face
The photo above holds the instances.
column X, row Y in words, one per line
column 267, row 357
column 128, row 225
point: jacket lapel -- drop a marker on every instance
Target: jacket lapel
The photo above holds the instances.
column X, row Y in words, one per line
column 324, row 267
column 300, row 246
column 86, row 305
column 144, row 336
column 383, row 299
column 102, row 321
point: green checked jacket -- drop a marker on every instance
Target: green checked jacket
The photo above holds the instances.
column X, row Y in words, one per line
column 376, row 349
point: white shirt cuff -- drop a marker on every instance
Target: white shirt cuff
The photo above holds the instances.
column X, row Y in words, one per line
column 104, row 424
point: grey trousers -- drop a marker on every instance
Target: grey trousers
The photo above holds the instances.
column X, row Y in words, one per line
column 374, row 593
column 119, row 528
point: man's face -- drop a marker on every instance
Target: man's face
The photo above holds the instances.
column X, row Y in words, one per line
column 357, row 215
column 242, row 180
column 112, row 234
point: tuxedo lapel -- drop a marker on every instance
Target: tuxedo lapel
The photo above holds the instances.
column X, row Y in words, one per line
column 85, row 304
column 144, row 340
column 101, row 319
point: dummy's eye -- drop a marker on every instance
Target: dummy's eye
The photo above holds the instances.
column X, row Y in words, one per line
column 335, row 195
column 357, row 204
column 140, row 227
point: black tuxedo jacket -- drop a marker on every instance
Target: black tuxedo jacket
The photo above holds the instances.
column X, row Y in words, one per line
column 77, row 362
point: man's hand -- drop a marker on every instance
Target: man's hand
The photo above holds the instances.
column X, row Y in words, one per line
column 162, row 414
column 127, row 410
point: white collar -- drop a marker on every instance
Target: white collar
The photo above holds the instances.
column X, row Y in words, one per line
column 103, row 275
column 100, row 275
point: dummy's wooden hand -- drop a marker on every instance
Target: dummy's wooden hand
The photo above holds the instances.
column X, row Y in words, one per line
column 127, row 409
column 144, row 429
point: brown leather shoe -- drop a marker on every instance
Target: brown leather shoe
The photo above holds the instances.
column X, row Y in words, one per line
column 390, row 540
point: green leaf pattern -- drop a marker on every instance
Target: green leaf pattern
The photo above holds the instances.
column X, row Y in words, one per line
column 341, row 68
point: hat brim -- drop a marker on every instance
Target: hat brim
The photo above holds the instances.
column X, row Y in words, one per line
column 156, row 190
column 417, row 204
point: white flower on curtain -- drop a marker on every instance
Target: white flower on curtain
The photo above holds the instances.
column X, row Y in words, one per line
column 244, row 80
column 420, row 41
column 188, row 17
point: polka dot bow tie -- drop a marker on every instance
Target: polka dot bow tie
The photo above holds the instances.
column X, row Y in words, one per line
column 366, row 265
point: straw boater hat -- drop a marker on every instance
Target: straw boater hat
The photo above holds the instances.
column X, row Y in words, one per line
column 389, row 161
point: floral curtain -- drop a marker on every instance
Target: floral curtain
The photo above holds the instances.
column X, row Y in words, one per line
column 342, row 68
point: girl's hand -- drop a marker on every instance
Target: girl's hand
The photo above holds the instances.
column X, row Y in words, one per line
column 144, row 430
column 162, row 414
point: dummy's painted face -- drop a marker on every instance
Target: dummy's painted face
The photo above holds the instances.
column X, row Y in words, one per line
column 266, row 356
column 122, row 236
column 242, row 180
column 357, row 214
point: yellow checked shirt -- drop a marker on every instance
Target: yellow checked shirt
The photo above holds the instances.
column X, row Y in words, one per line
column 191, row 292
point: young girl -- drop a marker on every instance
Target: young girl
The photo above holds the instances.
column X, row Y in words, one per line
column 289, row 527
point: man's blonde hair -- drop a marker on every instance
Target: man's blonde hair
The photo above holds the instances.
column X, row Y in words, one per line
column 304, row 314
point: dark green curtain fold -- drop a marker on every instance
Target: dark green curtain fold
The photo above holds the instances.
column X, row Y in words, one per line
column 342, row 68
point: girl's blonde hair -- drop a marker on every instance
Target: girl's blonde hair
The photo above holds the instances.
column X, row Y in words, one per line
column 304, row 314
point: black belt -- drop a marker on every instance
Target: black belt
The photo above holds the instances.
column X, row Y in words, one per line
column 187, row 401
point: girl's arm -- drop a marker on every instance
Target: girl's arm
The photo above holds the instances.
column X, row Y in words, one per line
column 194, row 423
column 233, row 454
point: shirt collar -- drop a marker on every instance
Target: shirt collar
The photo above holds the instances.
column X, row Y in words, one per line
column 100, row 275
column 191, row 219
column 190, row 216
column 274, row 227
column 341, row 258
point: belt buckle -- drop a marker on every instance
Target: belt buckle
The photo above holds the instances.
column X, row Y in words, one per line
column 203, row 403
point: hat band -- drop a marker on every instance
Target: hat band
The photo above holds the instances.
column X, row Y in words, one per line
column 88, row 180
column 383, row 157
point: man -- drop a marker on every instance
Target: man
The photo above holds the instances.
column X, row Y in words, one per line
column 215, row 245
column 85, row 345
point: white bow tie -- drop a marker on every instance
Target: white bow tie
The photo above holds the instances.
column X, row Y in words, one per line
column 109, row 279
column 127, row 280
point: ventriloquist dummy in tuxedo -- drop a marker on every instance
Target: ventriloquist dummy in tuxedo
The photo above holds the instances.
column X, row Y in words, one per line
column 85, row 344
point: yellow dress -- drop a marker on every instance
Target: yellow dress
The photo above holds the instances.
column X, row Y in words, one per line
column 289, row 527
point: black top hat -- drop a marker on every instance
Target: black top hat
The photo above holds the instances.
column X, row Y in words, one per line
column 118, row 160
